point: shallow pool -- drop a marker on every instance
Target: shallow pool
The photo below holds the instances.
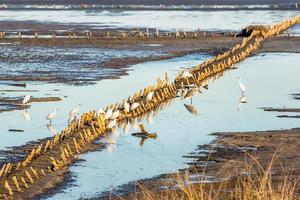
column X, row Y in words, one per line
column 269, row 79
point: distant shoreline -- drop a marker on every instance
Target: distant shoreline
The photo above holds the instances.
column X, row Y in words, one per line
column 152, row 2
column 205, row 5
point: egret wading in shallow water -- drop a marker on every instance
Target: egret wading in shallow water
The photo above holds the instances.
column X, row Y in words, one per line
column 51, row 115
column 71, row 118
column 242, row 86
column 75, row 110
column 26, row 99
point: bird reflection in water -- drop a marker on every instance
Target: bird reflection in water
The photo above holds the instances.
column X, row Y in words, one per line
column 192, row 109
column 242, row 101
column 51, row 128
column 26, row 115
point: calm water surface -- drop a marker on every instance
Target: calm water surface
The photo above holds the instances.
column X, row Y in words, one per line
column 168, row 20
column 269, row 81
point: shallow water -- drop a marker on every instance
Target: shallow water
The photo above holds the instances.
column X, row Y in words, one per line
column 178, row 131
column 168, row 20
column 71, row 65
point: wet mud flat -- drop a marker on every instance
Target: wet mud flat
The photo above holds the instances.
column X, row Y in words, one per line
column 286, row 112
column 223, row 160
column 82, row 62
column 15, row 103
column 49, row 60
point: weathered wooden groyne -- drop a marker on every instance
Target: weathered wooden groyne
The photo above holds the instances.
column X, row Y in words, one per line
column 109, row 34
column 33, row 174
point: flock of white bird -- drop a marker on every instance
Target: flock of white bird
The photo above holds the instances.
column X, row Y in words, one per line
column 112, row 115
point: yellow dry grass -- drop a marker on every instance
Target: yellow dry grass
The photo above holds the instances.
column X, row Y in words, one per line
column 255, row 183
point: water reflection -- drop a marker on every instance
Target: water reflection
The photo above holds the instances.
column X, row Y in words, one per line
column 26, row 115
column 242, row 101
column 192, row 109
column 179, row 133
column 51, row 128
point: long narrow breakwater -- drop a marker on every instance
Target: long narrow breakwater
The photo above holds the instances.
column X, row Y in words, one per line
column 45, row 163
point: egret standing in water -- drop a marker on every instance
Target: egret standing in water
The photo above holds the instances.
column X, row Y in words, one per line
column 242, row 86
column 26, row 99
column 51, row 115
column 75, row 110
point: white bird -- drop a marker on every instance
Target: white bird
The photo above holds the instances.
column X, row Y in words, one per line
column 75, row 110
column 242, row 87
column 26, row 115
column 108, row 114
column 100, row 111
column 71, row 118
column 134, row 106
column 51, row 115
column 111, row 124
column 149, row 96
column 126, row 107
column 186, row 74
column 115, row 115
column 26, row 99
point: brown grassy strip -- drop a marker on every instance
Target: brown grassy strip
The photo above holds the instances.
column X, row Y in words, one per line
column 51, row 157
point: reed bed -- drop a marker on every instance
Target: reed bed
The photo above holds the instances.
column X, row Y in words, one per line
column 52, row 155
column 255, row 182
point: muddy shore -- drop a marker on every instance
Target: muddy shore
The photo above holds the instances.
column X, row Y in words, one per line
column 225, row 159
column 165, row 47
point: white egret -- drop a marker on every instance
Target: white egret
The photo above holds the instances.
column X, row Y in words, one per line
column 71, row 118
column 126, row 107
column 115, row 115
column 26, row 99
column 149, row 96
column 100, row 111
column 186, row 74
column 134, row 106
column 26, row 115
column 242, row 86
column 51, row 115
column 111, row 124
column 75, row 110
column 108, row 114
